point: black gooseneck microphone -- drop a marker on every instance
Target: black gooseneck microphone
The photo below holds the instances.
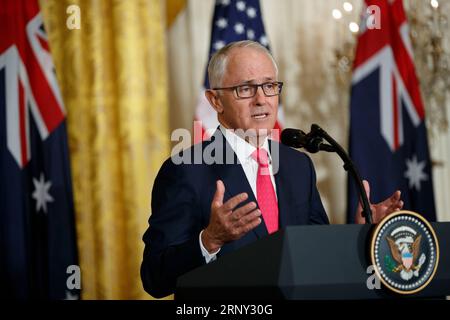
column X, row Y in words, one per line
column 314, row 142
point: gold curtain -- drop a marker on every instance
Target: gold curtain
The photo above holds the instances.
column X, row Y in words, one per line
column 113, row 78
column 173, row 8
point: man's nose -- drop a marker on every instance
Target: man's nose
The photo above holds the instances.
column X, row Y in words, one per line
column 260, row 97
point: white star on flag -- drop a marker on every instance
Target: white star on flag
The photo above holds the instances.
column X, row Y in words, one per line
column 251, row 12
column 264, row 41
column 222, row 23
column 250, row 34
column 224, row 2
column 415, row 172
column 219, row 45
column 41, row 194
column 239, row 28
column 240, row 5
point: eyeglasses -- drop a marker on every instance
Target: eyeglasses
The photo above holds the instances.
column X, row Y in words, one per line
column 245, row 91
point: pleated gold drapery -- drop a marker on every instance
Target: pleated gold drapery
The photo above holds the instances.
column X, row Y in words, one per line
column 173, row 8
column 113, row 78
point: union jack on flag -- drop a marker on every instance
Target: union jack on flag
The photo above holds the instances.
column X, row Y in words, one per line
column 36, row 207
column 388, row 137
column 233, row 20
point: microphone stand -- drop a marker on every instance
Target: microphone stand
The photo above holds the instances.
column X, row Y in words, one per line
column 317, row 135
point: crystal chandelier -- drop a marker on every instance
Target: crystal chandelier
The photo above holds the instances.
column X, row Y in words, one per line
column 430, row 33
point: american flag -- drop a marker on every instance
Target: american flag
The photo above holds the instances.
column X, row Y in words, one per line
column 233, row 20
column 388, row 137
column 37, row 232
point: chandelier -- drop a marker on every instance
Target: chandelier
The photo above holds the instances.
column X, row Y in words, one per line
column 430, row 36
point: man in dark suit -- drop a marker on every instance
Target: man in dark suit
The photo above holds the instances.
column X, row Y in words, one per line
column 237, row 187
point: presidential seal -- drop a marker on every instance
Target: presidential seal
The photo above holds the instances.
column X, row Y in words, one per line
column 405, row 252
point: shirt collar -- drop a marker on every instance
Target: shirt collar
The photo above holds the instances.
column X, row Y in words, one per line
column 242, row 148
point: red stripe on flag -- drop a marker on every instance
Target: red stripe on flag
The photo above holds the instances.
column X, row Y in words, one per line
column 46, row 102
column 199, row 131
column 19, row 14
column 369, row 43
column 403, row 60
column 44, row 43
column 372, row 41
column 405, row 67
column 277, row 130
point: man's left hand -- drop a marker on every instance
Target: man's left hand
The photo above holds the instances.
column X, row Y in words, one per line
column 379, row 210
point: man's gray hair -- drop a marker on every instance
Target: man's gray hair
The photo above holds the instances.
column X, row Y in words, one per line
column 218, row 63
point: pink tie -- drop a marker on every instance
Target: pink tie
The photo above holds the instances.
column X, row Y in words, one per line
column 265, row 192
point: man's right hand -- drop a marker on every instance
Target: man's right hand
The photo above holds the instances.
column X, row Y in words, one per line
column 227, row 224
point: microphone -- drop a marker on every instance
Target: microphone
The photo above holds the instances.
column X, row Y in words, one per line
column 295, row 138
column 313, row 143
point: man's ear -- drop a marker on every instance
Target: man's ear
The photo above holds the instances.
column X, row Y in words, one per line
column 214, row 101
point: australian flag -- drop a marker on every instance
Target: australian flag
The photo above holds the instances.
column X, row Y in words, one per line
column 233, row 20
column 37, row 233
column 388, row 137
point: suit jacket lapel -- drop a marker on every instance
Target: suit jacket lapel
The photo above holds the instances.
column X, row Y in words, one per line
column 235, row 180
column 286, row 218
column 281, row 180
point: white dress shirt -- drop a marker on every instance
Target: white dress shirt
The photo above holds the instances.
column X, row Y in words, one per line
column 244, row 151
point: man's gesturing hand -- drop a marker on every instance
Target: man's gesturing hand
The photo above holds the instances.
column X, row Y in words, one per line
column 379, row 210
column 227, row 224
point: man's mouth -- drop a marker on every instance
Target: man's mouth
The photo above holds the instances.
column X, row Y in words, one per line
column 261, row 115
